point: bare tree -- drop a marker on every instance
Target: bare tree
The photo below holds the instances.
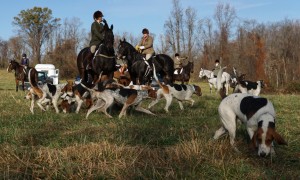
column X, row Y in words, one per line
column 16, row 47
column 3, row 53
column 224, row 17
column 190, row 30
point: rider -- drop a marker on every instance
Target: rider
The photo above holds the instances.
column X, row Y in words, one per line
column 24, row 62
column 178, row 63
column 217, row 68
column 97, row 32
column 146, row 44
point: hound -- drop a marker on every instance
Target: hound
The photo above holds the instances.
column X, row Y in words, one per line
column 259, row 116
column 47, row 93
column 127, row 97
column 181, row 92
column 36, row 92
column 249, row 87
column 54, row 92
column 81, row 95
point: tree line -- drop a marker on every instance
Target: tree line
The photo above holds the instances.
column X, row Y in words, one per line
column 267, row 51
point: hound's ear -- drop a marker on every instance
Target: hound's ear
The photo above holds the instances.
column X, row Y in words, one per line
column 279, row 139
column 253, row 144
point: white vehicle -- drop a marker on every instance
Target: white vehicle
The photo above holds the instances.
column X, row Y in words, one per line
column 50, row 71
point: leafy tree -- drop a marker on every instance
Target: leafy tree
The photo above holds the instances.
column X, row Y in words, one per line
column 36, row 25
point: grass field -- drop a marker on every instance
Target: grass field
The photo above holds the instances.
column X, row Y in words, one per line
column 177, row 145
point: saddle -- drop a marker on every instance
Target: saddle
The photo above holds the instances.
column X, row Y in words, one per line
column 178, row 71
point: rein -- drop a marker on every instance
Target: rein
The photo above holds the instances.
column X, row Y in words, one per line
column 103, row 55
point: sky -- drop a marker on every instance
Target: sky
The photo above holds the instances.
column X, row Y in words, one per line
column 133, row 15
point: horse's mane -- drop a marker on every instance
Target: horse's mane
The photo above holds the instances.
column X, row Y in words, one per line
column 14, row 61
column 130, row 45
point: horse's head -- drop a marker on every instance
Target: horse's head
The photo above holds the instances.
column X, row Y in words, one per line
column 201, row 73
column 124, row 49
column 13, row 64
column 205, row 72
column 109, row 38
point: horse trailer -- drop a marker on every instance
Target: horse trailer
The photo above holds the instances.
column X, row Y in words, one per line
column 50, row 71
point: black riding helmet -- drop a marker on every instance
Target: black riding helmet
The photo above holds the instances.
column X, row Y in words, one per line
column 24, row 55
column 145, row 31
column 177, row 54
column 97, row 14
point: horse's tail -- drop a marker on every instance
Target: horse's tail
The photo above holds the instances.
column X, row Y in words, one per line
column 33, row 77
column 155, row 77
column 219, row 78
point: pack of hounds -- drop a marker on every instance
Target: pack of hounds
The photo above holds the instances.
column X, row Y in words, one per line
column 243, row 105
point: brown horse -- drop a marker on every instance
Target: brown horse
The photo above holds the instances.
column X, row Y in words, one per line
column 184, row 76
column 20, row 75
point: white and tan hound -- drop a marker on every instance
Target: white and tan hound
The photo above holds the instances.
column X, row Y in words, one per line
column 259, row 116
column 47, row 93
column 127, row 97
column 181, row 92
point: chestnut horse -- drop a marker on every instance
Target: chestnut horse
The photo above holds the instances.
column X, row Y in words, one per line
column 20, row 75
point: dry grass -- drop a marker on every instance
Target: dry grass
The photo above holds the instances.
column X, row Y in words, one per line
column 177, row 145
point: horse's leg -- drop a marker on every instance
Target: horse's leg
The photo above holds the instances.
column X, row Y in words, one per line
column 227, row 87
column 210, row 88
column 81, row 73
column 23, row 85
column 17, row 85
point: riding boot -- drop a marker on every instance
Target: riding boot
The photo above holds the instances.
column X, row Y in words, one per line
column 89, row 59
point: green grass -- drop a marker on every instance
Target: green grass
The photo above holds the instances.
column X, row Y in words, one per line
column 177, row 145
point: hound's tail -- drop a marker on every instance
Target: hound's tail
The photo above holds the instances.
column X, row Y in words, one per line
column 219, row 78
column 33, row 77
column 155, row 77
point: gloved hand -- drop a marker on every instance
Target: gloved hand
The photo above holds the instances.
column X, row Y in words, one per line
column 137, row 47
column 142, row 47
column 104, row 21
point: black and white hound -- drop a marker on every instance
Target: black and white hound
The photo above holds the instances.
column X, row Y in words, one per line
column 249, row 87
column 259, row 116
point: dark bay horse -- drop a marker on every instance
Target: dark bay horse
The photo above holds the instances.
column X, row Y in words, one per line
column 138, row 69
column 104, row 61
column 20, row 75
column 185, row 75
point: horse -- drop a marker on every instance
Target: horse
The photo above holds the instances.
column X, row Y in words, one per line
column 184, row 75
column 20, row 74
column 140, row 70
column 103, row 62
column 213, row 81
